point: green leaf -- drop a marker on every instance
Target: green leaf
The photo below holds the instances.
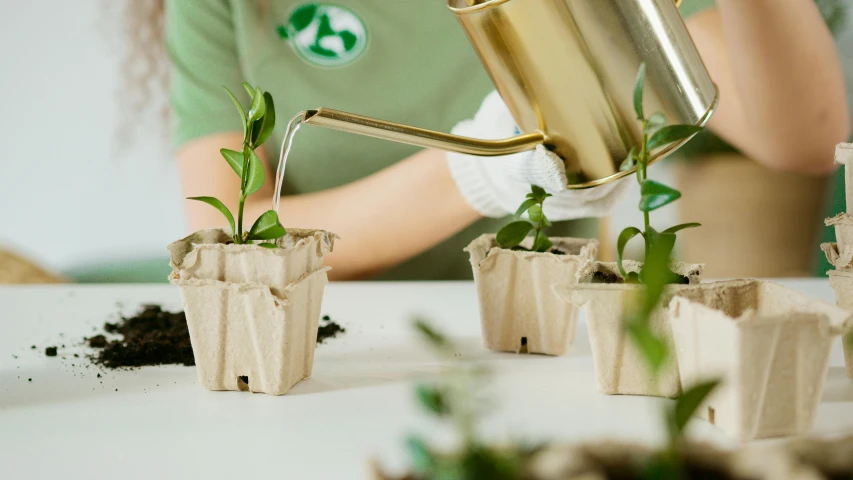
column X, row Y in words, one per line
column 256, row 174
column 268, row 245
column 266, row 227
column 258, row 107
column 639, row 86
column 537, row 216
column 651, row 346
column 671, row 134
column 655, row 273
column 249, row 90
column 630, row 160
column 683, row 226
column 654, row 123
column 432, row 400
column 239, row 109
column 524, row 206
column 433, row 336
column 541, row 243
column 514, row 233
column 267, row 124
column 655, row 195
column 624, row 237
column 689, row 402
column 235, row 159
column 538, row 193
column 420, row 455
column 215, row 203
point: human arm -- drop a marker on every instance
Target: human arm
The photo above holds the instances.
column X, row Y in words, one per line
column 783, row 99
column 382, row 219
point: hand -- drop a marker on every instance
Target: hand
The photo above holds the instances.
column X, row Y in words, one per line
column 496, row 186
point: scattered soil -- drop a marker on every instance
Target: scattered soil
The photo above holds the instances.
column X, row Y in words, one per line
column 50, row 351
column 151, row 337
column 557, row 251
column 328, row 329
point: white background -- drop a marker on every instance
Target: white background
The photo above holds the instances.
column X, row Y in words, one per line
column 69, row 196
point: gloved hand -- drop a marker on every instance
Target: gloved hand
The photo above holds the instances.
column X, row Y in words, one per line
column 496, row 186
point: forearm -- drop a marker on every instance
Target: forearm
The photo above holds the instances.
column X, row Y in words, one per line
column 382, row 219
column 783, row 95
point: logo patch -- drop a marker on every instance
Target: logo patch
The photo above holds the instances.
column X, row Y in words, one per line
column 325, row 34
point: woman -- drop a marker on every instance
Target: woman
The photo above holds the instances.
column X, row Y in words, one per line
column 406, row 214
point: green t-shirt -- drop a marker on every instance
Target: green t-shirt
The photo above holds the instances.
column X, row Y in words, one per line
column 403, row 61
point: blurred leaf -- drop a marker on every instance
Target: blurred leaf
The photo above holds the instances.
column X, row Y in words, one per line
column 268, row 245
column 655, row 274
column 217, row 204
column 541, row 243
column 683, row 226
column 639, row 86
column 655, row 195
column 651, row 346
column 234, row 159
column 239, row 109
column 432, row 400
column 266, row 227
column 624, row 237
column 258, row 107
column 630, row 160
column 420, row 455
column 433, row 336
column 524, row 206
column 654, row 123
column 513, row 234
column 671, row 134
column 256, row 174
column 689, row 402
column 267, row 124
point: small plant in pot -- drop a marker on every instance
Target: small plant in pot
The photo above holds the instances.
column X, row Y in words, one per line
column 514, row 271
column 251, row 296
column 606, row 290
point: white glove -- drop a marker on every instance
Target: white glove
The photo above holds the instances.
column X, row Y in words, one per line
column 496, row 186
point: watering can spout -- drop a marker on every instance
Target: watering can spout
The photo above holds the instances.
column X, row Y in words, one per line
column 566, row 69
column 372, row 127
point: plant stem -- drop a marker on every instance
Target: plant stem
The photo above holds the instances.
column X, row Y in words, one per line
column 244, row 178
column 642, row 162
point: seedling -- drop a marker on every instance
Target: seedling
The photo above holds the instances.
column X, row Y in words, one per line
column 455, row 399
column 655, row 273
column 511, row 235
column 258, row 125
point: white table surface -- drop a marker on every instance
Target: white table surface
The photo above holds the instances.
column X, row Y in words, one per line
column 156, row 422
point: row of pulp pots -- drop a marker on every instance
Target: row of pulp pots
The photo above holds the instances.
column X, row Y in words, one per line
column 769, row 343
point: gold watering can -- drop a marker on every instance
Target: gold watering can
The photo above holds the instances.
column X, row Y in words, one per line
column 566, row 69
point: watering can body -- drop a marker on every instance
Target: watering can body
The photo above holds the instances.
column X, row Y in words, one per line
column 566, row 70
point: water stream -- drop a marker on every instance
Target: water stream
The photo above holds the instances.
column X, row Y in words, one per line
column 286, row 144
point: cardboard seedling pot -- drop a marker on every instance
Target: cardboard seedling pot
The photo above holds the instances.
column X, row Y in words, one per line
column 620, row 368
column 841, row 260
column 842, row 284
column 844, row 156
column 252, row 312
column 843, row 224
column 518, row 310
column 769, row 344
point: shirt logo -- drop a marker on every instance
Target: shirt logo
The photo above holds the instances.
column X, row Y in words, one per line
column 325, row 34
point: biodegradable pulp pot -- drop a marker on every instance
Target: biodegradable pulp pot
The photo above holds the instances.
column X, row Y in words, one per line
column 842, row 283
column 844, row 156
column 843, row 224
column 620, row 368
column 769, row 344
column 252, row 312
column 840, row 259
column 518, row 310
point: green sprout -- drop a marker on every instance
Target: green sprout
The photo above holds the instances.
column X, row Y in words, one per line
column 258, row 125
column 454, row 399
column 511, row 235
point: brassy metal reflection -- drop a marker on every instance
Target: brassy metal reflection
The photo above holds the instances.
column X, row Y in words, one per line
column 566, row 69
